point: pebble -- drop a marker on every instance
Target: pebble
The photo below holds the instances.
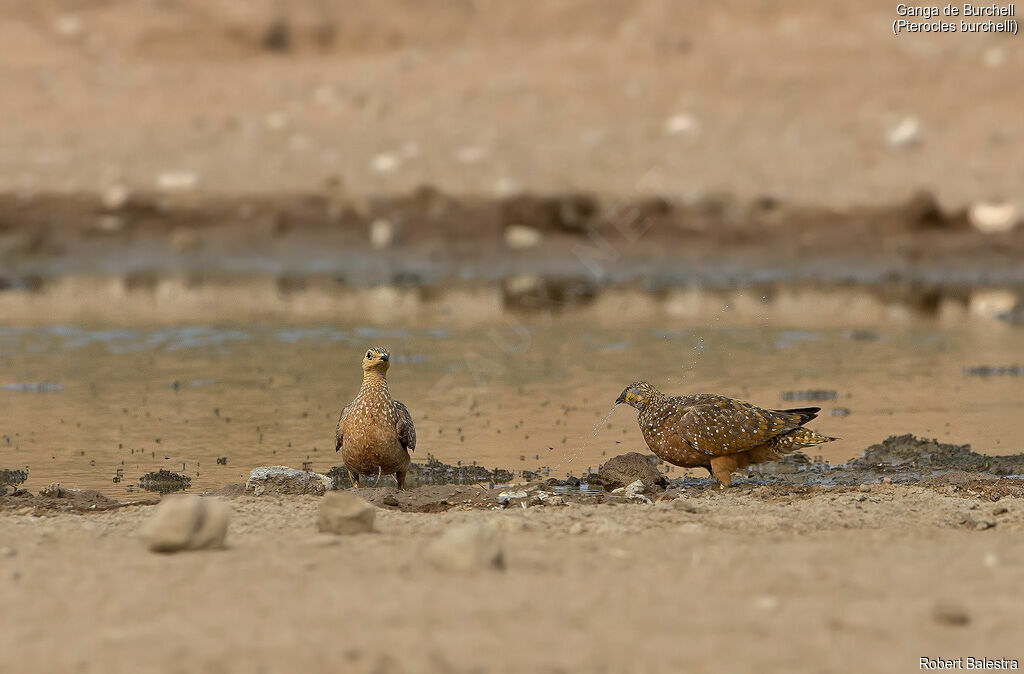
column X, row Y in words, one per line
column 344, row 514
column 384, row 163
column 991, row 303
column 382, row 233
column 284, row 480
column 679, row 124
column 177, row 181
column 68, row 25
column 905, row 133
column 994, row 218
column 506, row 497
column 635, row 491
column 115, row 197
column 521, row 236
column 187, row 522
column 466, row 548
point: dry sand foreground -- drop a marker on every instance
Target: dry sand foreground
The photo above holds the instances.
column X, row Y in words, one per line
column 754, row 579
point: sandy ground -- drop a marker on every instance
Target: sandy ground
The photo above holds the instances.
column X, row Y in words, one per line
column 792, row 99
column 752, row 579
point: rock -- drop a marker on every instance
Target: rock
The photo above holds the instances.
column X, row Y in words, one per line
column 506, row 497
column 187, row 523
column 68, row 25
column 284, row 480
column 635, row 491
column 625, row 469
column 385, row 163
column 466, row 548
column 343, row 513
column 994, row 218
column 521, row 236
column 991, row 303
column 546, row 498
column 54, row 490
column 177, row 181
column 907, row 132
column 382, row 233
column 679, row 124
column 115, row 197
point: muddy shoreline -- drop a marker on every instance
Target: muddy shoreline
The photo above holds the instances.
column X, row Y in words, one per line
column 427, row 238
column 438, row 487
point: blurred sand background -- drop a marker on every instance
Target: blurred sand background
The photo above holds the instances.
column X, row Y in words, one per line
column 813, row 102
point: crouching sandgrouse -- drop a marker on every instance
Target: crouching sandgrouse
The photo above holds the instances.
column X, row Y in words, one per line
column 375, row 432
column 717, row 433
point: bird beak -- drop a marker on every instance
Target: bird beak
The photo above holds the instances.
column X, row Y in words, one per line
column 385, row 357
column 621, row 399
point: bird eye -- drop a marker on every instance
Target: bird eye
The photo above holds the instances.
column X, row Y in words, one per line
column 369, row 355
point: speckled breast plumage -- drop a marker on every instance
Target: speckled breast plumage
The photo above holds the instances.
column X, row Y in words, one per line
column 371, row 443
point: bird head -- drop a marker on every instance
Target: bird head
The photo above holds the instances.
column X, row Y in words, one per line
column 376, row 359
column 637, row 395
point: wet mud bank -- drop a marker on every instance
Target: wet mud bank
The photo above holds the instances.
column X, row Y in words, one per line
column 439, row 487
column 429, row 236
column 170, row 257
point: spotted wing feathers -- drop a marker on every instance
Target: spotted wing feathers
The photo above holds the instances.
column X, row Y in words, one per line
column 716, row 425
column 339, row 434
column 404, row 426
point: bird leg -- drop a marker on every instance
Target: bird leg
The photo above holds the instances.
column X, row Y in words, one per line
column 722, row 468
column 400, row 477
column 355, row 478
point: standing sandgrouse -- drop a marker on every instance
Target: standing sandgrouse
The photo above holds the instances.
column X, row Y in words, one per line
column 717, row 433
column 375, row 433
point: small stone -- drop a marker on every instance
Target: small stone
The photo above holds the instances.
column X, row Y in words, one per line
column 506, row 497
column 344, row 514
column 995, row 57
column 521, row 236
column 623, row 470
column 177, row 181
column 907, row 132
column 287, row 481
column 949, row 613
column 466, row 548
column 115, row 197
column 384, row 163
column 982, row 525
column 187, row 522
column 382, row 233
column 991, row 303
column 994, row 217
column 679, row 124
column 68, row 25
column 276, row 120
column 635, row 491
